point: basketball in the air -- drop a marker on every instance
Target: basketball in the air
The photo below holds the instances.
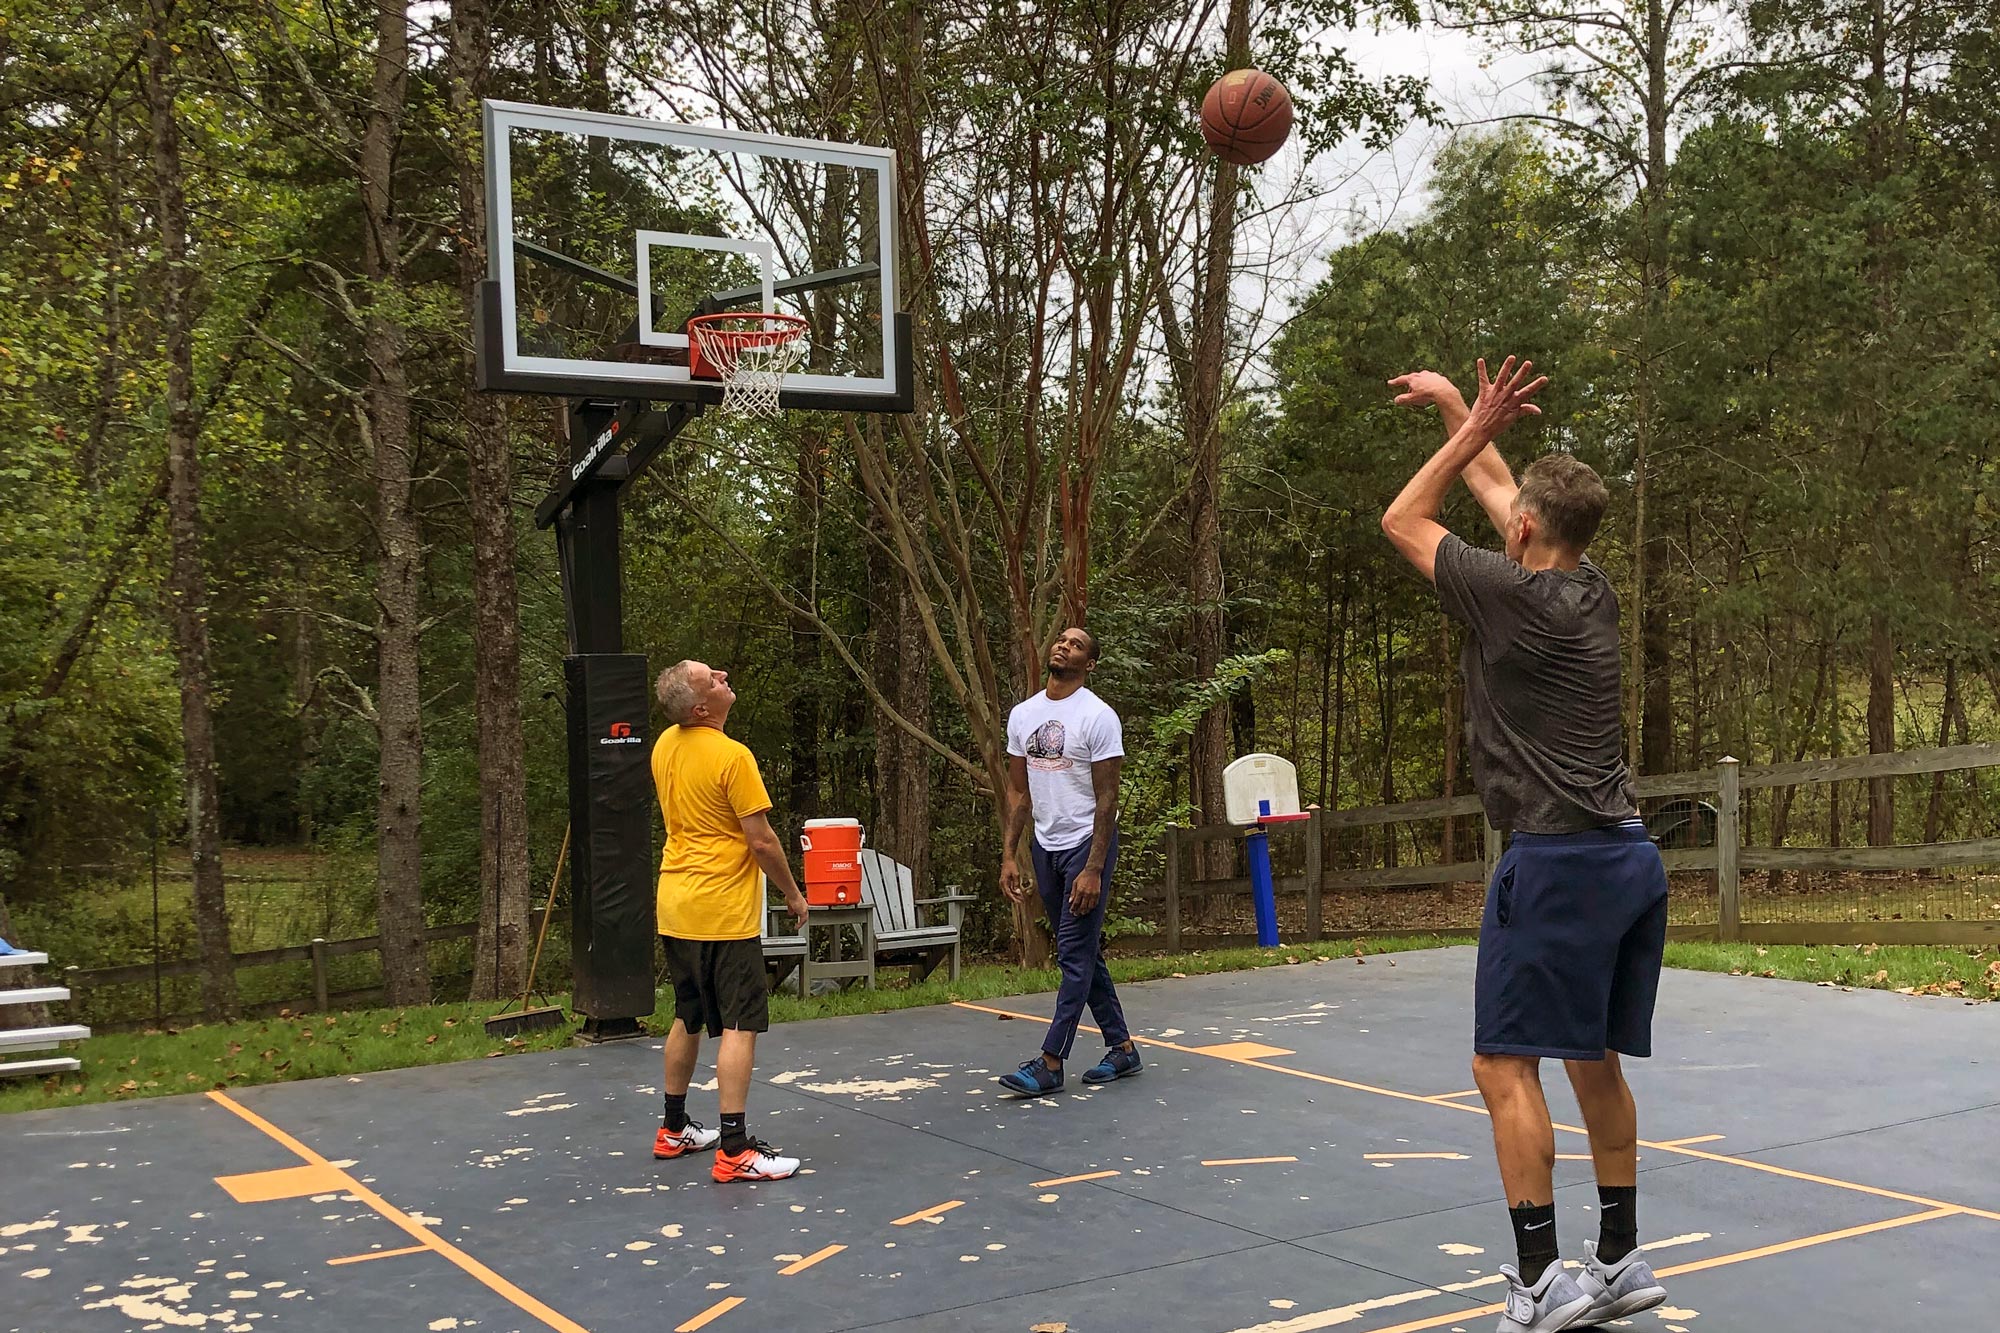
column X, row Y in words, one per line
column 1246, row 116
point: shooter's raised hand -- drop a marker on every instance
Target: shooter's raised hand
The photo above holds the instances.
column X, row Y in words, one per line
column 1503, row 398
column 1422, row 388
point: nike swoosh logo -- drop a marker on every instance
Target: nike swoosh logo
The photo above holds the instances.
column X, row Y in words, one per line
column 1537, row 1226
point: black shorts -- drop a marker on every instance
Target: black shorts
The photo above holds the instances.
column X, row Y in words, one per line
column 1570, row 946
column 718, row 984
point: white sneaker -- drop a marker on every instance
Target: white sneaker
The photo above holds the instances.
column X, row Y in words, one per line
column 1554, row 1302
column 679, row 1143
column 757, row 1162
column 1616, row 1290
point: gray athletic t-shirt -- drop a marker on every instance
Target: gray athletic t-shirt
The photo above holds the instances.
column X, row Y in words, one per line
column 1542, row 703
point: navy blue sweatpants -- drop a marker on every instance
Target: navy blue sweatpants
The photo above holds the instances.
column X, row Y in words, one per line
column 1079, row 948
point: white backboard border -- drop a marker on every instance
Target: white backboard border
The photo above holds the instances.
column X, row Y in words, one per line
column 504, row 367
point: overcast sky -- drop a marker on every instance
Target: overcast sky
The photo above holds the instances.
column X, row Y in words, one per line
column 1389, row 188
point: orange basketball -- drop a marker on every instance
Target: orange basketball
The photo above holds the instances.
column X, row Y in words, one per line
column 1246, row 116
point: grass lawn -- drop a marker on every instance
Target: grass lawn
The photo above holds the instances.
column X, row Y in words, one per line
column 1909, row 968
column 123, row 1066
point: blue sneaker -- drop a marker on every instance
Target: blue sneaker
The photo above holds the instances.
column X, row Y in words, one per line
column 1117, row 1063
column 1033, row 1079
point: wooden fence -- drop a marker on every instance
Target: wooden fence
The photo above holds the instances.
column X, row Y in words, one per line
column 1728, row 858
column 320, row 953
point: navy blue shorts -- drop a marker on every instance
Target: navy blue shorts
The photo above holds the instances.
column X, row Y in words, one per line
column 1570, row 946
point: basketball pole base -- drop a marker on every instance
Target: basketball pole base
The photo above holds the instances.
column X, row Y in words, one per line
column 597, row 1031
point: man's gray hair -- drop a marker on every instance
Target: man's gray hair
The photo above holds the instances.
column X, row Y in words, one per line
column 675, row 690
column 1568, row 496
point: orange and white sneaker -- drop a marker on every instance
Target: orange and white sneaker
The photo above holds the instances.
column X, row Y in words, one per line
column 671, row 1143
column 759, row 1161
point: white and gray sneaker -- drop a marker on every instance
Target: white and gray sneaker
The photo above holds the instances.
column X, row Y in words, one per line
column 1616, row 1290
column 1554, row 1302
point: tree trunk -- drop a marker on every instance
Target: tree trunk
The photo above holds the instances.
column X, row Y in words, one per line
column 1204, row 426
column 910, row 787
column 501, row 953
column 1834, row 837
column 902, row 762
column 302, row 692
column 187, row 590
column 803, row 800
column 1654, row 682
column 1782, row 798
column 1881, row 731
column 1385, row 700
column 399, row 567
column 1952, row 709
column 1332, row 801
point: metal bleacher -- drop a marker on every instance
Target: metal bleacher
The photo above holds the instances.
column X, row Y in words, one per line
column 43, row 1038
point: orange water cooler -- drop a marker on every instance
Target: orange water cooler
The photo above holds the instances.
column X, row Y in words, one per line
column 833, row 861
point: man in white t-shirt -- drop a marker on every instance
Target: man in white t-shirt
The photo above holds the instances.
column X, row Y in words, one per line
column 1066, row 748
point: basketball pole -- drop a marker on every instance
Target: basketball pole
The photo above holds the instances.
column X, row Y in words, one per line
column 610, row 787
column 1263, row 892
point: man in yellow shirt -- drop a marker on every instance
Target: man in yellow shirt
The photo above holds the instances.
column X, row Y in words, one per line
column 719, row 837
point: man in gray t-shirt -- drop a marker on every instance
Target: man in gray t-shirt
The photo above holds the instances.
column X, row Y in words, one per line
column 1541, row 686
column 1575, row 919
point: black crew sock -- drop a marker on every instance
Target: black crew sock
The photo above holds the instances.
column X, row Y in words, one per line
column 1534, row 1239
column 735, row 1138
column 1618, row 1222
column 676, row 1117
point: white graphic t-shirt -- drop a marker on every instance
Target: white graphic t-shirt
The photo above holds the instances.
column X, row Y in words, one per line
column 1061, row 739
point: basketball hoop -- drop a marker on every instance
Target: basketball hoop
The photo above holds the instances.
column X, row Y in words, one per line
column 750, row 354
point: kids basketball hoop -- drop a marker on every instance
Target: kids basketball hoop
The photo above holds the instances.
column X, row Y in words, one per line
column 750, row 354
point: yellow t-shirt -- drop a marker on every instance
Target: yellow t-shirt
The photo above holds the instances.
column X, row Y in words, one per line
column 707, row 783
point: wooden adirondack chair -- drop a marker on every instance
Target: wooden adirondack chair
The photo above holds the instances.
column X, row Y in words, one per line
column 902, row 937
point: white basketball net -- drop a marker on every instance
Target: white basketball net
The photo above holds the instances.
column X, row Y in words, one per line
column 753, row 358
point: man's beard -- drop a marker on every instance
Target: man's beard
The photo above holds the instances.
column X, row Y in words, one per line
column 1065, row 672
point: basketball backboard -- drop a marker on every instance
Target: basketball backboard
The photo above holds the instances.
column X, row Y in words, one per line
column 606, row 233
column 1259, row 785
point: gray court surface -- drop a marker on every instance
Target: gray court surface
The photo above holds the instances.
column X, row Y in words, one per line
column 1302, row 1152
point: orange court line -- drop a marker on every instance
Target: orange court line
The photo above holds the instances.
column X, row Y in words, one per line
column 1719, row 1261
column 928, row 1213
column 379, row 1254
column 1415, row 1157
column 1454, row 1096
column 1810, row 1178
column 1724, row 1158
column 1246, row 1161
column 1699, row 1138
column 802, row 1265
column 1233, row 1059
column 1071, row 1180
column 426, row 1238
column 710, row 1315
